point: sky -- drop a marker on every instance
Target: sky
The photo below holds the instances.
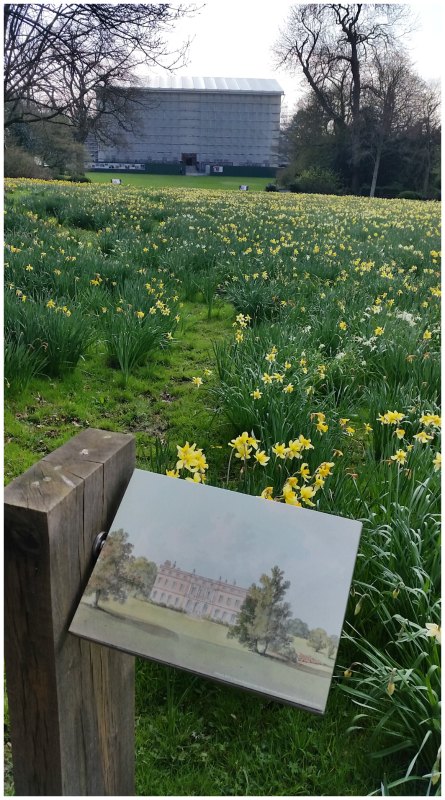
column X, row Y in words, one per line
column 233, row 38
column 238, row 537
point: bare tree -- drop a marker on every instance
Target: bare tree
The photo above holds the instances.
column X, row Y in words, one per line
column 430, row 128
column 330, row 44
column 58, row 57
column 390, row 87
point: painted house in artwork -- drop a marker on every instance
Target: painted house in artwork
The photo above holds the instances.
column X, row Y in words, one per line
column 198, row 596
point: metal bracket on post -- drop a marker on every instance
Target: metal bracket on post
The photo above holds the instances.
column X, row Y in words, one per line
column 99, row 543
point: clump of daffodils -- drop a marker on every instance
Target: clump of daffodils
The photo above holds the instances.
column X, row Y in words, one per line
column 191, row 464
column 301, row 487
column 432, row 424
column 240, row 324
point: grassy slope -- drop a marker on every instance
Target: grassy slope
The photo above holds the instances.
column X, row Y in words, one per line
column 194, row 737
column 158, row 402
column 181, row 181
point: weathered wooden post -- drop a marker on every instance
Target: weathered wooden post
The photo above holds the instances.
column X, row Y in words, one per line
column 71, row 702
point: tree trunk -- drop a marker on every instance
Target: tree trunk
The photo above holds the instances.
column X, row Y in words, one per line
column 426, row 175
column 355, row 124
column 376, row 167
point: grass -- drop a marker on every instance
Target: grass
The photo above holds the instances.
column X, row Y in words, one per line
column 207, row 739
column 147, row 181
column 157, row 403
column 364, row 264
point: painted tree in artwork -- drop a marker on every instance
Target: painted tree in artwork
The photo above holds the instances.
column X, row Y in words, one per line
column 264, row 619
column 318, row 639
column 109, row 578
column 140, row 576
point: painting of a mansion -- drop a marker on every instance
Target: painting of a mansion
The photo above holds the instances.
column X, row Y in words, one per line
column 198, row 596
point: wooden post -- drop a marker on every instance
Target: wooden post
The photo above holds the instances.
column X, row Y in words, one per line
column 71, row 702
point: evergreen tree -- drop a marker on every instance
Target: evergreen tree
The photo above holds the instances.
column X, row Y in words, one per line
column 264, row 620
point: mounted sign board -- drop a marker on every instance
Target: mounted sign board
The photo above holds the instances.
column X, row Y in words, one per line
column 233, row 587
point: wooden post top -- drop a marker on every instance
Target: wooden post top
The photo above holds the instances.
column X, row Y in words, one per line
column 49, row 481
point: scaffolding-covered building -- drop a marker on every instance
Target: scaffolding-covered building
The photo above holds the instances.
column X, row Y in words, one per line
column 209, row 125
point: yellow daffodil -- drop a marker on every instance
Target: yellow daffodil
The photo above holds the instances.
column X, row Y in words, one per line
column 289, row 495
column 200, row 462
column 431, row 419
column 261, row 457
column 186, row 456
column 197, row 478
column 400, row 456
column 391, row 417
column 294, row 449
column 267, row 493
column 197, row 381
column 256, row 394
column 423, row 437
column 305, row 472
column 437, row 461
column 280, row 450
column 306, row 493
column 325, row 468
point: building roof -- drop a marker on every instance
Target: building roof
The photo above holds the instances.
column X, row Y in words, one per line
column 246, row 85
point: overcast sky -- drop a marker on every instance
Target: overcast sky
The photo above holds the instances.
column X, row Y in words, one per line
column 233, row 38
column 239, row 537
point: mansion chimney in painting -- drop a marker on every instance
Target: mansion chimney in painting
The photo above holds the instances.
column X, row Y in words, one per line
column 196, row 595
